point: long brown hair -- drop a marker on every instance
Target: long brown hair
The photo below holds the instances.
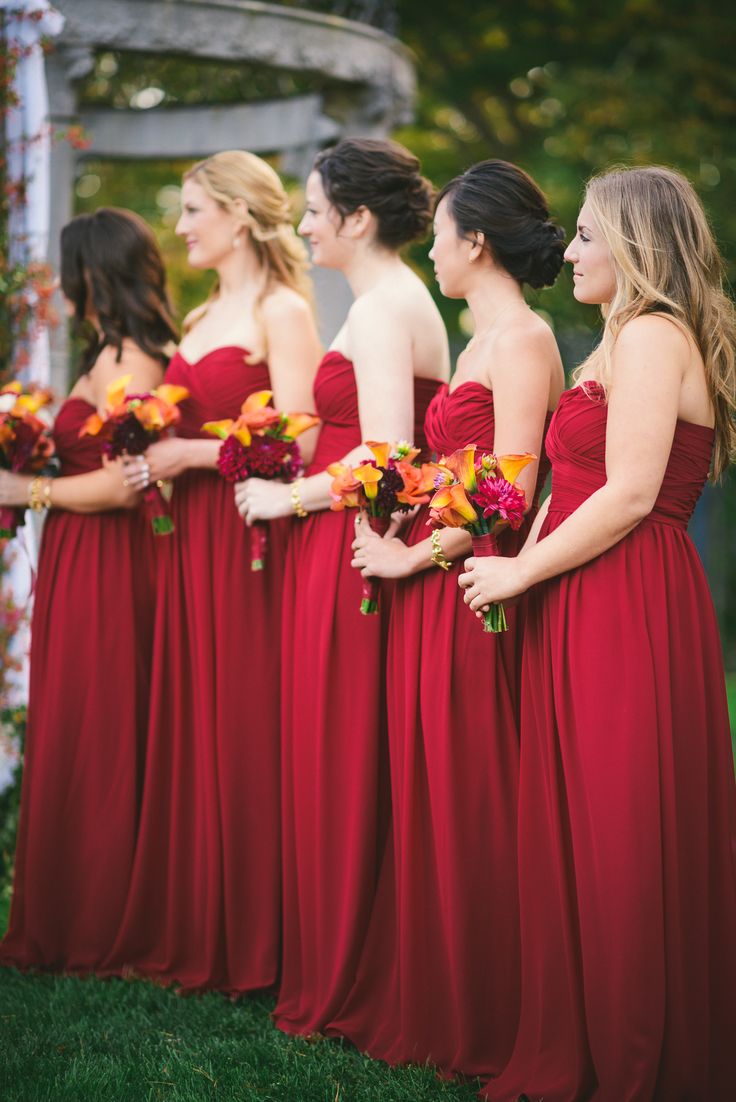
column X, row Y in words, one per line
column 111, row 262
column 237, row 174
column 667, row 261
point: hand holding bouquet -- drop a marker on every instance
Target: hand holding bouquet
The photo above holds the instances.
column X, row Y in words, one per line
column 478, row 493
column 390, row 483
column 25, row 442
column 261, row 443
column 132, row 422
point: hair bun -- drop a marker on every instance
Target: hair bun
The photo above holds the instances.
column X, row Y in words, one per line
column 547, row 262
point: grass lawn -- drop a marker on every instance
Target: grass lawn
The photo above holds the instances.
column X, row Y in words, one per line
column 70, row 1040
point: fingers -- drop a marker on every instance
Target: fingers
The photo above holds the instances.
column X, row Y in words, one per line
column 137, row 472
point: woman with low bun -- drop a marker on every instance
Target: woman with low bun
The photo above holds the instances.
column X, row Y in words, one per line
column 365, row 200
column 439, row 977
column 204, row 903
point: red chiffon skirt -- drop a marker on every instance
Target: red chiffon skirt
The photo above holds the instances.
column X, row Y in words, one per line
column 90, row 660
column 203, row 909
column 335, row 782
column 438, row 980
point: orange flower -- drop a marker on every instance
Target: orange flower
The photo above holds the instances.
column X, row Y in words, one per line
column 511, row 466
column 297, row 423
column 462, row 465
column 219, row 428
column 345, row 488
column 418, row 482
column 381, row 450
column 450, row 506
column 369, row 476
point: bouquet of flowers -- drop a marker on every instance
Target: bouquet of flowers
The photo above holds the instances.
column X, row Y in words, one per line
column 25, row 441
column 261, row 443
column 132, row 422
column 393, row 482
column 478, row 493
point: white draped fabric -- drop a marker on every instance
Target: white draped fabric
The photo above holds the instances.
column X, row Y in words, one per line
column 28, row 140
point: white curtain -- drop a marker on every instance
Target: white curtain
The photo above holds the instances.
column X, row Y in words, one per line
column 28, row 140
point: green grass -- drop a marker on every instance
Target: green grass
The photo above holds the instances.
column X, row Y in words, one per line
column 72, row 1040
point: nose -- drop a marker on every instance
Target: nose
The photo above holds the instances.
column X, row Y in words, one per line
column 571, row 252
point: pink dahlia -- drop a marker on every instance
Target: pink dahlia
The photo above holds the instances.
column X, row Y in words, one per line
column 497, row 496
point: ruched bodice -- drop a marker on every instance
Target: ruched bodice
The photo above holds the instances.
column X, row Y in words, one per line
column 218, row 383
column 77, row 454
column 576, row 444
column 336, row 403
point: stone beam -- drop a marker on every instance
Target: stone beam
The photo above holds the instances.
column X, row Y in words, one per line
column 247, row 31
column 269, row 126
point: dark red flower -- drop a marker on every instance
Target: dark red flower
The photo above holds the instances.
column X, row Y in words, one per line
column 497, row 496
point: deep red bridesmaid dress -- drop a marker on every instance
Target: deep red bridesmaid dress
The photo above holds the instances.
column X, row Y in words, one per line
column 627, row 805
column 335, row 783
column 89, row 674
column 204, row 905
column 439, row 976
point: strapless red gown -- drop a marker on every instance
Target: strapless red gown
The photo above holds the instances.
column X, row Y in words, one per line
column 627, row 805
column 89, row 674
column 439, row 976
column 203, row 908
column 335, row 781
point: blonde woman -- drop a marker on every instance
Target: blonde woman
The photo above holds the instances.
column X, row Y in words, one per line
column 203, row 907
column 627, row 801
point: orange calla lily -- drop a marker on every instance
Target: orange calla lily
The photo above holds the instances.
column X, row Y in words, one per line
column 450, row 506
column 116, row 391
column 381, row 451
column 92, row 425
column 369, row 476
column 462, row 465
column 256, row 414
column 297, row 423
column 511, row 466
column 171, row 394
column 219, row 428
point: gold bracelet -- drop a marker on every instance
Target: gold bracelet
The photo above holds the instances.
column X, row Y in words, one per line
column 296, row 501
column 46, row 501
column 438, row 555
column 36, row 494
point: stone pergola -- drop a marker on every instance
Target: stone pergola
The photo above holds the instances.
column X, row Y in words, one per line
column 370, row 90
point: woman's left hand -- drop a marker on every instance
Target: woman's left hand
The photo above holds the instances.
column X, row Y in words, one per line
column 261, row 499
column 489, row 579
column 379, row 556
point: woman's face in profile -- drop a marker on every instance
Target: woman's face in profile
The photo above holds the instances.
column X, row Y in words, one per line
column 593, row 271
column 209, row 231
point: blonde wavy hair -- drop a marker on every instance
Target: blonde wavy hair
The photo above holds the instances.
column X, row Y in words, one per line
column 666, row 261
column 236, row 174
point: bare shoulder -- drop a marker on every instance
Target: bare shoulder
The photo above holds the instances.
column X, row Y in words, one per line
column 527, row 333
column 147, row 371
column 654, row 334
column 284, row 306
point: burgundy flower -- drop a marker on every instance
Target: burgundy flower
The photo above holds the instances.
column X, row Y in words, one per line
column 497, row 496
column 265, row 457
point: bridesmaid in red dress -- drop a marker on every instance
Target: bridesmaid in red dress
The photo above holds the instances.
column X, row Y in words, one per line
column 204, row 905
column 92, row 619
column 365, row 199
column 627, row 817
column 439, row 978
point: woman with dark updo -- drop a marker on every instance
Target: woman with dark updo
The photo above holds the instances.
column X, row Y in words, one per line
column 365, row 200
column 92, row 626
column 439, row 977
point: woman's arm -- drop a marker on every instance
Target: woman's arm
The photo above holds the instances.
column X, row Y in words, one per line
column 649, row 362
column 92, row 492
column 380, row 350
column 294, row 351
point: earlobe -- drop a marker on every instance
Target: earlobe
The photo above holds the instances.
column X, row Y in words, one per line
column 476, row 248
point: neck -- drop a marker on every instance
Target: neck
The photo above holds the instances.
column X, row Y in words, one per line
column 492, row 299
column 368, row 267
column 240, row 272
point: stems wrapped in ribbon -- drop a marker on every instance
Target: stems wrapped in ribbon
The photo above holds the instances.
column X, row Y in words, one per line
column 478, row 493
column 261, row 443
column 26, row 445
column 132, row 422
column 390, row 483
